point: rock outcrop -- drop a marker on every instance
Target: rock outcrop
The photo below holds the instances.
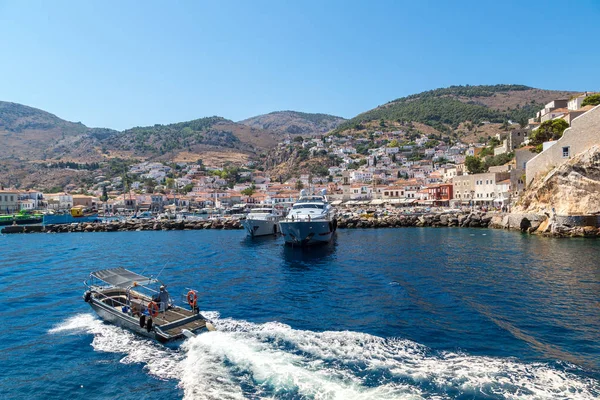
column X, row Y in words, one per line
column 572, row 188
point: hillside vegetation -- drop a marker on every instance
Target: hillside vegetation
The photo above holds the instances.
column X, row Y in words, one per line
column 294, row 122
column 446, row 109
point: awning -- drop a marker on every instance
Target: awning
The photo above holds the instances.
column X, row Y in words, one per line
column 376, row 201
column 336, row 202
column 121, row 277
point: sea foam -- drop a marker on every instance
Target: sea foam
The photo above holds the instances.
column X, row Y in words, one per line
column 271, row 360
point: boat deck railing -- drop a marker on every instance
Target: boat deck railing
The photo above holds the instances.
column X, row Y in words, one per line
column 115, row 299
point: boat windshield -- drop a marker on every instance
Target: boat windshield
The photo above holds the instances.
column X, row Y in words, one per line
column 310, row 199
column 299, row 206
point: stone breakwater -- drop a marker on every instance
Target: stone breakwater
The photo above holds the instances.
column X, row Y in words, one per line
column 122, row 226
column 527, row 223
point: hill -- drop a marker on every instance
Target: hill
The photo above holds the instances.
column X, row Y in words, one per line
column 27, row 132
column 294, row 123
column 30, row 134
column 193, row 137
column 32, row 138
column 450, row 110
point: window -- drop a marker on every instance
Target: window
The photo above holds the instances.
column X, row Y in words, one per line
column 565, row 151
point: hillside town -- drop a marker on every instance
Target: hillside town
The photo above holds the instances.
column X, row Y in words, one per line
column 387, row 168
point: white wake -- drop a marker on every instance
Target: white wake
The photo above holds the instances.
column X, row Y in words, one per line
column 272, row 360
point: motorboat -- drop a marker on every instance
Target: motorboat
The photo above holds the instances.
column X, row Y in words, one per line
column 311, row 220
column 143, row 305
column 261, row 221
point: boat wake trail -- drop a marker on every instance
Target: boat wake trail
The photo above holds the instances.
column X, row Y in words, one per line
column 272, row 360
column 159, row 361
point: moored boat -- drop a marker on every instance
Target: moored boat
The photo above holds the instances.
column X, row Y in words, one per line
column 261, row 221
column 77, row 215
column 22, row 218
column 143, row 305
column 311, row 220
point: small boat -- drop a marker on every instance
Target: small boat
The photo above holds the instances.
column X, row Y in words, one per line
column 22, row 218
column 261, row 221
column 143, row 305
column 311, row 220
column 77, row 215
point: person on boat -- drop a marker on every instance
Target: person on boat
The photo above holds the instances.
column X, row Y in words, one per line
column 164, row 299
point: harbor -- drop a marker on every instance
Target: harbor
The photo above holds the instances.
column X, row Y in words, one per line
column 424, row 313
column 354, row 217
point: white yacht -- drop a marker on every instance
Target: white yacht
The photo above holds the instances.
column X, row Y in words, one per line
column 261, row 221
column 311, row 220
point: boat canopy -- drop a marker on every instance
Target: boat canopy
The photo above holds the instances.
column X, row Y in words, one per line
column 121, row 277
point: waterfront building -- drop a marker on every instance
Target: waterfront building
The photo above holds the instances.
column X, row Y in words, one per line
column 59, row 201
column 441, row 194
column 9, row 201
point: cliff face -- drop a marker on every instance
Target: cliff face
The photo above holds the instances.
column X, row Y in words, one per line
column 572, row 188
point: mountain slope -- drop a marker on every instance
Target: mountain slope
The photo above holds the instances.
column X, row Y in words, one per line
column 447, row 108
column 294, row 122
column 30, row 134
column 27, row 132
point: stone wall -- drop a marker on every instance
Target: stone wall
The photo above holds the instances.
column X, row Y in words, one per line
column 584, row 132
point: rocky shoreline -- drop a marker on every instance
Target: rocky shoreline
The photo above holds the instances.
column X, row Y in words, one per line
column 527, row 223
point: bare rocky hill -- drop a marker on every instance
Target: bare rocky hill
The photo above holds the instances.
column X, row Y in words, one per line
column 294, row 123
column 30, row 134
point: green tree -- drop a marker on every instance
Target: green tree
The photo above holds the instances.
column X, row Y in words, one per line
column 474, row 165
column 548, row 130
column 592, row 100
column 149, row 184
column 104, row 196
column 299, row 185
column 188, row 188
column 374, row 161
column 170, row 183
column 249, row 191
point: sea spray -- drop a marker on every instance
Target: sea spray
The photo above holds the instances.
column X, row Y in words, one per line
column 243, row 359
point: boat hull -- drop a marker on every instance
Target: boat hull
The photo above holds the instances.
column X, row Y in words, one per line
column 306, row 233
column 56, row 219
column 109, row 314
column 20, row 221
column 126, row 321
column 257, row 227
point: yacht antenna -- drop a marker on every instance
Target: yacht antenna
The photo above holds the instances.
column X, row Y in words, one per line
column 161, row 270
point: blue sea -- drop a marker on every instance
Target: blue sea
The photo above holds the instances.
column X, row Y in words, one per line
column 416, row 313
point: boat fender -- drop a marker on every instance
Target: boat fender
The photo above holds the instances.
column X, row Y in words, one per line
column 142, row 321
column 330, row 227
column 153, row 309
column 335, row 224
column 192, row 298
column 149, row 325
column 88, row 297
column 275, row 229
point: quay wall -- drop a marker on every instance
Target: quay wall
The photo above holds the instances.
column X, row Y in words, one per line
column 528, row 223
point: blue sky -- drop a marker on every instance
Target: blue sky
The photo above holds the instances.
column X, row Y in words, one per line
column 120, row 64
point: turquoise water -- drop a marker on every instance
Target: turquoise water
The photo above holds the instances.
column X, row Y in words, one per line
column 390, row 313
